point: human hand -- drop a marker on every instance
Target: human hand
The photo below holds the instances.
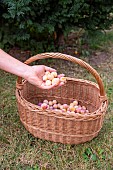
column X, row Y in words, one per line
column 34, row 75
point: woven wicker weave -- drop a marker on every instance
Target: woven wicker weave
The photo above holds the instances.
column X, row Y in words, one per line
column 55, row 125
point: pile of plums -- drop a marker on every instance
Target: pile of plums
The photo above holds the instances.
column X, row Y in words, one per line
column 73, row 107
column 51, row 78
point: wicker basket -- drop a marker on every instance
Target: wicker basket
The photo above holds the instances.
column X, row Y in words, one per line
column 55, row 125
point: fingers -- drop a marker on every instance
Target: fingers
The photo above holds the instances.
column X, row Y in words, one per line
column 61, row 84
column 43, row 86
column 61, row 75
column 49, row 69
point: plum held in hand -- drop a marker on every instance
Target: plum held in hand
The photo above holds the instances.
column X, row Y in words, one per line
column 63, row 79
column 54, row 74
column 48, row 82
column 55, row 81
column 52, row 78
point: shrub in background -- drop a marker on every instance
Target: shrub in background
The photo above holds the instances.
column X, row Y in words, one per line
column 41, row 24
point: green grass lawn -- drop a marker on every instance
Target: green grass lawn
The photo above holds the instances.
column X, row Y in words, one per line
column 21, row 151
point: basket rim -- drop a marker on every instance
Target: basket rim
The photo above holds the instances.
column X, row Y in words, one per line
column 91, row 115
column 67, row 57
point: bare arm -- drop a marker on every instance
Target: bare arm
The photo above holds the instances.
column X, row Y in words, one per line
column 33, row 74
column 12, row 65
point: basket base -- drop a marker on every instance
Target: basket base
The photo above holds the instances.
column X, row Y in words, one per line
column 58, row 138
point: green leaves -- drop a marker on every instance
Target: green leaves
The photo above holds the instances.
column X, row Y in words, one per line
column 30, row 19
column 94, row 155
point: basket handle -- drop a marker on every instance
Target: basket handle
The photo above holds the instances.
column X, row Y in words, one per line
column 72, row 59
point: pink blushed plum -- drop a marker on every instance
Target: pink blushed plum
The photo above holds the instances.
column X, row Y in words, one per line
column 79, row 107
column 44, row 106
column 72, row 109
column 51, row 107
column 68, row 112
column 48, row 106
column 59, row 105
column 78, row 110
column 82, row 111
column 65, row 106
column 45, row 101
column 63, row 110
column 75, row 107
column 50, row 103
column 75, row 102
column 54, row 102
column 83, row 107
column 55, row 106
column 39, row 104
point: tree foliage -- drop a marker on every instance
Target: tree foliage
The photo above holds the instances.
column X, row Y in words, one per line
column 38, row 23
